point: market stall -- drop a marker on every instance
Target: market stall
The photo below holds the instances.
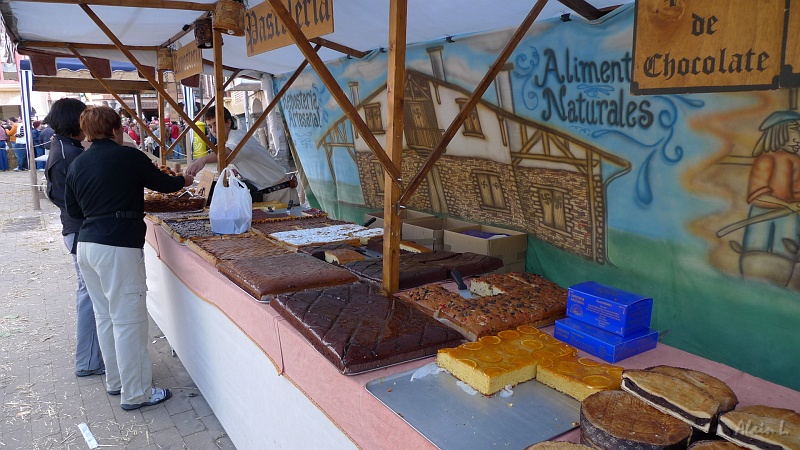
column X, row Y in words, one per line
column 532, row 128
column 262, row 377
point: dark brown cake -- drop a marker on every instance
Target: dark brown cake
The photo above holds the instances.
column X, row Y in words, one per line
column 417, row 269
column 265, row 276
column 318, row 251
column 413, row 272
column 182, row 230
column 616, row 420
column 215, row 249
column 358, row 328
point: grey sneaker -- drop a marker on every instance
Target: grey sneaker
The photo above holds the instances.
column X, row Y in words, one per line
column 157, row 396
column 86, row 372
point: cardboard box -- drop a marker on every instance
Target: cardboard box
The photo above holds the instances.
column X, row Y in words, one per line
column 508, row 245
column 430, row 231
column 609, row 308
column 607, row 346
column 405, row 214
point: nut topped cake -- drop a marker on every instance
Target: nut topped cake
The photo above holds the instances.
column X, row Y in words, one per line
column 183, row 230
column 518, row 302
column 359, row 328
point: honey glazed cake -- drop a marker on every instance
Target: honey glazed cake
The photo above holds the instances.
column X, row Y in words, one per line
column 509, row 358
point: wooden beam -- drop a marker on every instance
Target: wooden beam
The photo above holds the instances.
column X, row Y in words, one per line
column 339, row 47
column 155, row 4
column 162, row 153
column 141, row 68
column 395, row 92
column 79, row 85
column 222, row 134
column 111, row 91
column 583, row 8
column 82, row 46
column 334, row 88
column 270, row 107
column 184, row 31
column 487, row 80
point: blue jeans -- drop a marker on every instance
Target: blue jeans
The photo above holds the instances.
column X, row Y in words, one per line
column 21, row 151
column 39, row 152
column 3, row 157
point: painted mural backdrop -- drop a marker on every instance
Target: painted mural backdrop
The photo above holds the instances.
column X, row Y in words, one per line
column 691, row 199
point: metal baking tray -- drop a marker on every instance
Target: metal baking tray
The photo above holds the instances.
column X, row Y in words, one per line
column 451, row 418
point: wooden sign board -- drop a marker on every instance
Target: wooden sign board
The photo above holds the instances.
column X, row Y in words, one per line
column 790, row 76
column 188, row 61
column 264, row 31
column 707, row 45
column 205, row 180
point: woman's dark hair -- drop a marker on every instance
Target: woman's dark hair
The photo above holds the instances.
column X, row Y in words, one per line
column 65, row 117
column 100, row 123
column 212, row 114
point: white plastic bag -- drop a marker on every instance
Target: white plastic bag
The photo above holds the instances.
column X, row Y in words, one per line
column 231, row 210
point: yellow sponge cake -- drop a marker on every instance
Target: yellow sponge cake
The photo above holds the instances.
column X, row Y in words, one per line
column 578, row 377
column 508, row 358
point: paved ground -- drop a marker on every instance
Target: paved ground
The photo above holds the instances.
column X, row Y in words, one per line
column 42, row 401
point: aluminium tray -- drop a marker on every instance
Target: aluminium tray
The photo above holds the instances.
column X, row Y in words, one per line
column 451, row 418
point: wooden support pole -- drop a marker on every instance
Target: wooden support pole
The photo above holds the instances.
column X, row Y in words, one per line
column 487, row 80
column 162, row 154
column 336, row 91
column 395, row 92
column 111, row 91
column 157, row 86
column 271, row 106
column 222, row 154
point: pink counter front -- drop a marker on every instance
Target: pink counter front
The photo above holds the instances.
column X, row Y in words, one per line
column 270, row 389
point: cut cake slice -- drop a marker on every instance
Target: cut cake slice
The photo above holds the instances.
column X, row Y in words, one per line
column 509, row 358
column 578, row 377
column 761, row 427
column 674, row 396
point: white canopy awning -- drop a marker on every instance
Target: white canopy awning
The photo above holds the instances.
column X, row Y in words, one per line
column 359, row 24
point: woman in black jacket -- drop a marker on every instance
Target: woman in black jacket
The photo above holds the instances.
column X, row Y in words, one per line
column 105, row 188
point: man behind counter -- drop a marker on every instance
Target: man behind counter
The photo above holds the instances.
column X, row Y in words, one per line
column 258, row 168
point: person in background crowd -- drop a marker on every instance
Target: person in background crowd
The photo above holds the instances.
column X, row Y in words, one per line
column 36, row 131
column 177, row 152
column 257, row 167
column 64, row 119
column 46, row 136
column 199, row 147
column 3, row 141
column 104, row 188
column 132, row 133
column 17, row 133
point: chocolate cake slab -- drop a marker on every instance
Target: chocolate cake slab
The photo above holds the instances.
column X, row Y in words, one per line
column 266, row 276
column 215, row 249
column 358, row 328
column 413, row 272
